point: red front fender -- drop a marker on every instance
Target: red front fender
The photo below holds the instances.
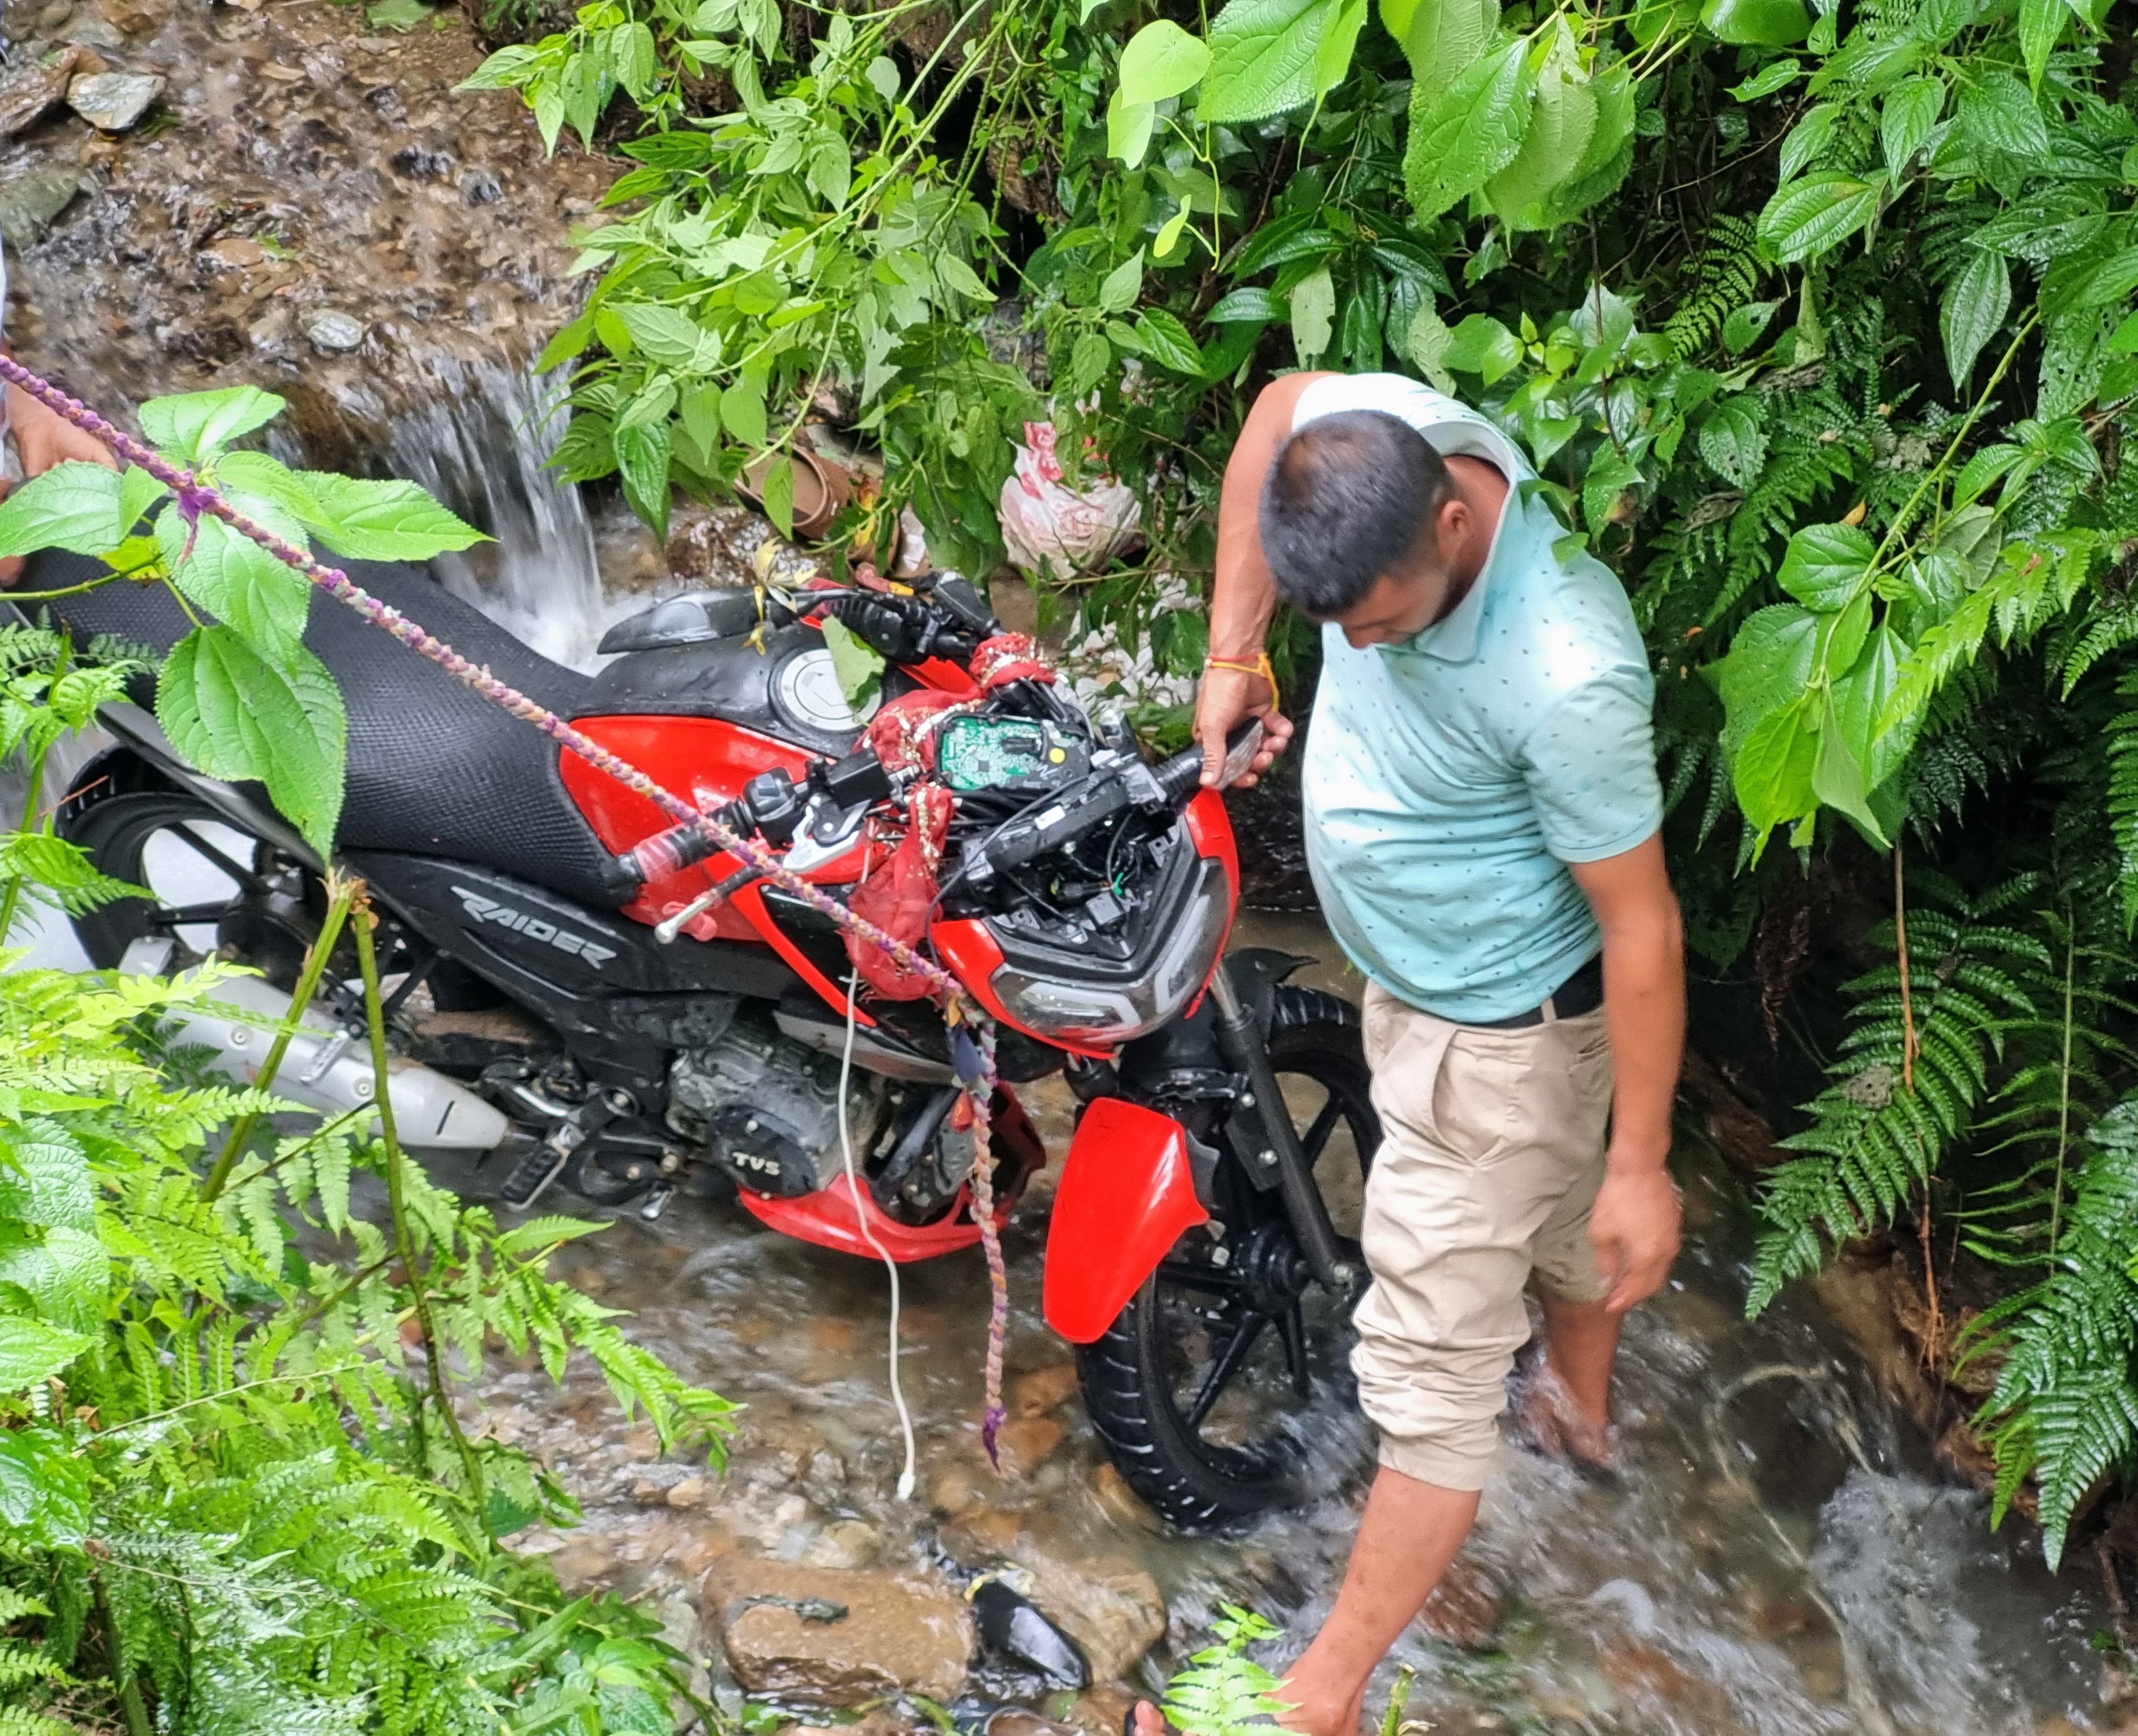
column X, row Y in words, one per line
column 1127, row 1195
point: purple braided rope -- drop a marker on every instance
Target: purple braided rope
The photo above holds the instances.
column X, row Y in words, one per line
column 194, row 497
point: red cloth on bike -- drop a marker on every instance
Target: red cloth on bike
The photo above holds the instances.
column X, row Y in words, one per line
column 898, row 897
column 902, row 734
column 1009, row 656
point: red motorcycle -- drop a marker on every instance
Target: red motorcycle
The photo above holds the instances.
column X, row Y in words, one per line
column 659, row 1020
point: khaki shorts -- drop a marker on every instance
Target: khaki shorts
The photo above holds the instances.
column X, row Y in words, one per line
column 1492, row 1152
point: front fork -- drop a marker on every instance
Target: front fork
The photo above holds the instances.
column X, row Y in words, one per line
column 1268, row 1143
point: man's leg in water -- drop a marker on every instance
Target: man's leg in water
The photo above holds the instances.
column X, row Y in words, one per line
column 1408, row 1535
column 1573, row 1393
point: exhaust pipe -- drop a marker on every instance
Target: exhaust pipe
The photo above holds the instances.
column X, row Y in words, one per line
column 324, row 1068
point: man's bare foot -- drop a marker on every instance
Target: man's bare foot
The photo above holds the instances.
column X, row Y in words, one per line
column 1549, row 1419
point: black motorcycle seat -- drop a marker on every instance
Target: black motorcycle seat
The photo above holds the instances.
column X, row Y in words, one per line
column 434, row 769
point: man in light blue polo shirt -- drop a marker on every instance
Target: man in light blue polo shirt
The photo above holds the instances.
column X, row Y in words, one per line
column 1482, row 816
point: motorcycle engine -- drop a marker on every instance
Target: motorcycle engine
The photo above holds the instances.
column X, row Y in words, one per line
column 766, row 1108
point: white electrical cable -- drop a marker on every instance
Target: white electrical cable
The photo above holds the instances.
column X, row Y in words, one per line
column 905, row 1478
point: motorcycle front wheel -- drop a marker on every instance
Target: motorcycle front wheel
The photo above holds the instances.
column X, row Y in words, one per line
column 1223, row 1388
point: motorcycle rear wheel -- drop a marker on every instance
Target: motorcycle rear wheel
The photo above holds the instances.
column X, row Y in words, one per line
column 1143, row 1383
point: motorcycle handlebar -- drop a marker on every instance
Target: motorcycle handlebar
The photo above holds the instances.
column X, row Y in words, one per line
column 1180, row 776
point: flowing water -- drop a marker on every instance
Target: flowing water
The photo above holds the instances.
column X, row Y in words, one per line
column 1777, row 1558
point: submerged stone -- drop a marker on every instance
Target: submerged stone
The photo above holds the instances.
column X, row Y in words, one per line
column 332, row 331
column 113, row 101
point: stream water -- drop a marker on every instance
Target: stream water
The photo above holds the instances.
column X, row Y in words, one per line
column 1779, row 1557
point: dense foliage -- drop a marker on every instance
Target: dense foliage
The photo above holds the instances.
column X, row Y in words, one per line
column 236, row 1491
column 1816, row 322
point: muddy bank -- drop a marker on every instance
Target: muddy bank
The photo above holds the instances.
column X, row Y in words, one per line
column 307, row 206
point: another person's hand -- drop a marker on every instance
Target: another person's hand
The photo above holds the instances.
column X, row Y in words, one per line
column 1228, row 699
column 1634, row 1227
column 44, row 440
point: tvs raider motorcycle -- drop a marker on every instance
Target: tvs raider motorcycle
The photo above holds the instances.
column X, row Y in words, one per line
column 655, row 1021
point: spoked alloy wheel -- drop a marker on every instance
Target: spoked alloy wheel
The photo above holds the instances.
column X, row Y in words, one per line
column 1210, row 1386
column 216, row 889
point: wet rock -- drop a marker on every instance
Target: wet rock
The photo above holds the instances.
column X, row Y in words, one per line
column 586, row 1559
column 29, row 92
column 955, row 1491
column 690, row 1492
column 844, row 1545
column 982, row 1534
column 1464, row 1609
column 1110, row 1607
column 1043, row 1389
column 240, row 251
column 1103, row 1711
column 135, row 18
column 331, row 330
column 1025, row 1443
column 480, row 187
column 29, row 205
column 712, row 546
column 111, row 102
column 1120, row 1503
column 899, row 1633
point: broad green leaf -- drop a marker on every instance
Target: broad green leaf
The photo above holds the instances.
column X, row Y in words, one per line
column 44, row 1177
column 1907, row 120
column 1332, row 59
column 2041, row 24
column 73, row 505
column 1313, row 315
column 665, row 334
column 1733, row 442
column 1839, row 778
column 1825, row 564
column 1264, row 56
column 1248, row 305
column 1441, row 37
column 265, row 478
column 780, row 495
column 1427, row 343
column 1562, row 118
column 2121, row 341
column 1161, row 60
column 1973, row 308
column 1472, row 130
column 884, row 78
column 1743, row 327
column 1089, row 360
column 1756, row 23
column 1998, row 114
column 138, row 490
column 1816, row 214
column 235, row 715
column 1129, row 126
column 32, row 1351
column 238, row 582
column 1482, row 346
column 510, row 65
column 1808, row 139
column 1169, row 233
column 1859, row 699
column 44, row 1490
column 641, row 459
column 2101, row 276
column 1165, row 341
column 1121, row 286
column 1842, row 636
column 1770, row 661
column 1772, row 770
column 742, row 413
column 195, row 426
column 858, row 665
column 1770, row 79
column 384, row 521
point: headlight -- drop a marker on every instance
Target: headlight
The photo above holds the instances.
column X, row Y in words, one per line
column 1092, row 1003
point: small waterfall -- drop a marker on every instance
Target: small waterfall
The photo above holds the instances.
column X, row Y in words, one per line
column 479, row 442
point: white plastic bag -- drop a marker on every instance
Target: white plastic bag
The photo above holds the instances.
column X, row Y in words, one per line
column 1050, row 531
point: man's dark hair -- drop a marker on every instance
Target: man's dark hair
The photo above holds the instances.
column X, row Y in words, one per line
column 1345, row 501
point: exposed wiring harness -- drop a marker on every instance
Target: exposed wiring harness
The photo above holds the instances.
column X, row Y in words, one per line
column 905, row 1477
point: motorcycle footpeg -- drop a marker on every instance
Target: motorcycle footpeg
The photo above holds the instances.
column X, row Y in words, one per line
column 537, row 1166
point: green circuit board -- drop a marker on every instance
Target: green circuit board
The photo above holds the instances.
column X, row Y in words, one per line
column 979, row 753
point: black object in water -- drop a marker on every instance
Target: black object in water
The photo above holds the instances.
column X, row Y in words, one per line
column 1011, row 1623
